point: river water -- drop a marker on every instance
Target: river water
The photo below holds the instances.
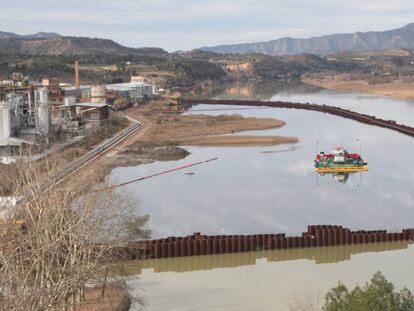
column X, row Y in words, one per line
column 275, row 189
column 265, row 281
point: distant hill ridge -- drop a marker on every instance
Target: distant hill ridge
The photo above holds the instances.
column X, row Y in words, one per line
column 43, row 43
column 39, row 35
column 353, row 42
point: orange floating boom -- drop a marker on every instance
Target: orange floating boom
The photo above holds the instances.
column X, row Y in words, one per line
column 160, row 173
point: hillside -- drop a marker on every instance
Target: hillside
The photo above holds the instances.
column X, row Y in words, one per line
column 69, row 46
column 39, row 35
column 353, row 42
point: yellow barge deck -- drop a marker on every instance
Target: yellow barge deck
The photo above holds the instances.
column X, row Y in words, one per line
column 344, row 169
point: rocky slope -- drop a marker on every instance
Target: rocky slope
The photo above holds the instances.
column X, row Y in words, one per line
column 359, row 41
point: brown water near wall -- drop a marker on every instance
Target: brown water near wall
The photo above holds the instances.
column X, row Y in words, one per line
column 258, row 193
column 266, row 280
column 319, row 255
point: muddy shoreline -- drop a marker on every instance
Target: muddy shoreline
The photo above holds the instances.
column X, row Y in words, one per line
column 139, row 153
column 203, row 130
column 166, row 132
column 396, row 89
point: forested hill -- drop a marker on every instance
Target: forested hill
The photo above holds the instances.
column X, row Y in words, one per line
column 57, row 45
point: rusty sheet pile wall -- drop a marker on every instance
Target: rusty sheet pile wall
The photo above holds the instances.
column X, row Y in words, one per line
column 316, row 236
column 345, row 113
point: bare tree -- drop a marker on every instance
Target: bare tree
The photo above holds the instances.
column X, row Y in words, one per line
column 306, row 300
column 54, row 242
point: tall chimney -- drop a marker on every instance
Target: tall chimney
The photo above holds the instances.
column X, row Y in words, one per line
column 77, row 81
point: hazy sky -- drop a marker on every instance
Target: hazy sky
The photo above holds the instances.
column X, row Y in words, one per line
column 187, row 24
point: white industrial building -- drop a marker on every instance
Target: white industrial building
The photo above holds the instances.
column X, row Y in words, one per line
column 134, row 90
column 24, row 120
column 81, row 92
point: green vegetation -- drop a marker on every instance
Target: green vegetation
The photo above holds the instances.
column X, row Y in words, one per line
column 180, row 71
column 377, row 295
column 189, row 68
column 272, row 68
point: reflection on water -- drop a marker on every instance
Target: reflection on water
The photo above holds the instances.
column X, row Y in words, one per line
column 383, row 107
column 272, row 190
column 261, row 190
column 341, row 178
column 275, row 189
column 256, row 90
column 265, row 281
column 285, row 148
column 319, row 255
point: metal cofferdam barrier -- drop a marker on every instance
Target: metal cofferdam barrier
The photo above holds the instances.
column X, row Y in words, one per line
column 197, row 244
column 345, row 113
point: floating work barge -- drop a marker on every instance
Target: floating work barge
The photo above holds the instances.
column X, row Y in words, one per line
column 327, row 170
column 340, row 161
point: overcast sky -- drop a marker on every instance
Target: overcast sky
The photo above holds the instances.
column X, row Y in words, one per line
column 187, row 24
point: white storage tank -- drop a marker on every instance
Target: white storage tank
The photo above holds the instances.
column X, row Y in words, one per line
column 43, row 95
column 43, row 119
column 15, row 104
column 42, row 112
column 98, row 94
column 5, row 123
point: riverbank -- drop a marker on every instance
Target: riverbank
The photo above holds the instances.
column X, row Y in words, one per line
column 165, row 132
column 139, row 153
column 395, row 89
column 114, row 299
column 205, row 130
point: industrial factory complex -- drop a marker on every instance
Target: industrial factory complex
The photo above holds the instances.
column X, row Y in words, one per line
column 35, row 115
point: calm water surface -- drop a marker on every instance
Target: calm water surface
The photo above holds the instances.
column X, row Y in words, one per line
column 275, row 189
column 265, row 281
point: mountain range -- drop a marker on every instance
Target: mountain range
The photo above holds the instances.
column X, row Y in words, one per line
column 323, row 45
column 50, row 43
column 39, row 35
column 44, row 43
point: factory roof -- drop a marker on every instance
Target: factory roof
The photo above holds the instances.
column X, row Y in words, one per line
column 126, row 86
column 70, row 88
column 92, row 105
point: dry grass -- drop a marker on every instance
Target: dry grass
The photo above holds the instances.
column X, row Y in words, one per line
column 234, row 141
column 114, row 299
column 56, row 240
column 204, row 130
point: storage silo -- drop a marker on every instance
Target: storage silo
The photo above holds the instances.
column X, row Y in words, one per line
column 43, row 95
column 15, row 104
column 42, row 112
column 5, row 123
column 98, row 94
